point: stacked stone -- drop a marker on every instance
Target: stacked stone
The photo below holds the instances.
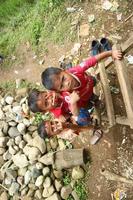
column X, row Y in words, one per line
column 27, row 161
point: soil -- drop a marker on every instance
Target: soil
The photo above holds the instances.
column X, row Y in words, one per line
column 114, row 150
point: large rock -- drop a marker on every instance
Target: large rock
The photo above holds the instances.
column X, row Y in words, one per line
column 33, row 153
column 13, row 132
column 47, row 159
column 39, row 143
column 66, row 191
column 20, row 160
column 55, row 196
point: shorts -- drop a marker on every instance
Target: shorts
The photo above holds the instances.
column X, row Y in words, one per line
column 83, row 118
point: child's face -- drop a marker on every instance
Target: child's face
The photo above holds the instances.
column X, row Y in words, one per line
column 64, row 82
column 47, row 101
column 53, row 127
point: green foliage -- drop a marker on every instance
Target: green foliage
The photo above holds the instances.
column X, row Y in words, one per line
column 80, row 190
column 35, row 21
column 66, row 178
column 39, row 117
column 70, row 197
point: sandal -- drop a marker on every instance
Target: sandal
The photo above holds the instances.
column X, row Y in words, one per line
column 97, row 134
column 95, row 47
column 105, row 44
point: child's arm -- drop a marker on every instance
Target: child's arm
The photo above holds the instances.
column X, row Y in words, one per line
column 74, row 97
column 116, row 54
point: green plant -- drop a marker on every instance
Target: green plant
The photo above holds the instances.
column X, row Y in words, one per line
column 80, row 189
column 66, row 178
column 39, row 117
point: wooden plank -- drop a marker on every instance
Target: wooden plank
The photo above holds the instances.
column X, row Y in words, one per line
column 125, row 85
column 107, row 93
column 125, row 47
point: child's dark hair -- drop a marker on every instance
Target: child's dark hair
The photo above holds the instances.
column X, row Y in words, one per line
column 42, row 131
column 46, row 76
column 32, row 100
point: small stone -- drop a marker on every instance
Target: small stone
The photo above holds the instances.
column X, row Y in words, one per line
column 27, row 177
column 24, row 191
column 33, row 153
column 32, row 128
column 17, row 109
column 14, row 188
column 38, row 194
column 20, row 160
column 77, row 173
column 62, row 145
column 22, row 144
column 66, row 191
column 39, row 181
column 58, row 174
column 16, row 148
column 46, row 171
column 2, row 151
column 20, row 180
column 53, row 142
column 10, row 142
column 25, row 108
column 5, row 127
column 7, row 155
column 39, row 143
column 27, row 137
column 18, row 139
column 91, row 18
column 55, row 196
column 30, row 193
column 13, row 132
column 9, row 100
column 47, row 159
column 12, row 151
column 47, row 182
column 21, row 127
column 75, row 196
column 22, row 171
column 8, row 181
column 12, row 123
column 58, row 185
column 39, row 165
column 3, row 141
column 47, row 192
column 26, row 122
column 4, row 196
column 2, row 115
column 11, row 173
column 1, row 133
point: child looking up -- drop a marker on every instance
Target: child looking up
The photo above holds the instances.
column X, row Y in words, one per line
column 75, row 79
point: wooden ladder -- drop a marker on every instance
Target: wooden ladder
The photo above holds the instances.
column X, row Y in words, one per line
column 125, row 87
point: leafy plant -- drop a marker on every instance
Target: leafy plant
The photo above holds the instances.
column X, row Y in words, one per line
column 80, row 189
column 66, row 178
column 39, row 117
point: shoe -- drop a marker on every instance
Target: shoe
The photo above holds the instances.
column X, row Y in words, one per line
column 106, row 45
column 95, row 47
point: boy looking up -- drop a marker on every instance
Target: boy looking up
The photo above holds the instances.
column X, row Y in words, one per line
column 75, row 79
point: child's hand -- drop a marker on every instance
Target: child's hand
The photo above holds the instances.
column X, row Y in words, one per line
column 116, row 54
column 74, row 97
column 62, row 118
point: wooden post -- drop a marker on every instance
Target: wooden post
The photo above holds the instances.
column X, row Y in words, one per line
column 125, row 85
column 107, row 93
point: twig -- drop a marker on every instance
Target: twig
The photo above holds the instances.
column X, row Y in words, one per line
column 130, row 16
column 106, row 31
column 3, row 187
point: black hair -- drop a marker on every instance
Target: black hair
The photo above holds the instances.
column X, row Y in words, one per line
column 42, row 131
column 46, row 76
column 32, row 100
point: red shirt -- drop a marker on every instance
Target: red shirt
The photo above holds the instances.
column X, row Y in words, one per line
column 85, row 88
column 86, row 82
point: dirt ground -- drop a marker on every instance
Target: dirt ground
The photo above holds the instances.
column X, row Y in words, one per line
column 114, row 151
